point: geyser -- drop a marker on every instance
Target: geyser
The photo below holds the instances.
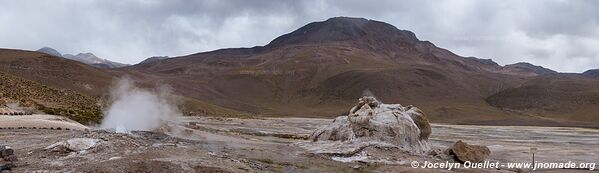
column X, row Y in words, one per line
column 134, row 108
column 371, row 121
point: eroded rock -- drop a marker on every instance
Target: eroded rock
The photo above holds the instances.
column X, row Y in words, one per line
column 74, row 145
column 464, row 152
column 7, row 157
column 372, row 121
column 6, row 151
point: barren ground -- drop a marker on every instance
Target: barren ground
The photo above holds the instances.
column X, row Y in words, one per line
column 210, row 144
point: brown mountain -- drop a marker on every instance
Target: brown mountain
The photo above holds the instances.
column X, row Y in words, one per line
column 594, row 73
column 54, row 71
column 86, row 58
column 319, row 70
column 564, row 98
column 52, row 84
column 528, row 69
column 66, row 87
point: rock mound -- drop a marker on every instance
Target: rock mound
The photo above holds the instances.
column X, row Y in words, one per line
column 7, row 157
column 74, row 145
column 373, row 121
column 473, row 153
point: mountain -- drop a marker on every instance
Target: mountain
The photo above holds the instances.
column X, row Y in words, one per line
column 594, row 73
column 91, row 59
column 154, row 58
column 75, row 105
column 66, row 87
column 54, row 71
column 50, row 51
column 527, row 69
column 86, row 58
column 53, row 84
column 567, row 97
column 321, row 68
column 344, row 29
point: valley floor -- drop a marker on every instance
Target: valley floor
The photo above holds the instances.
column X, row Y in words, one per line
column 213, row 144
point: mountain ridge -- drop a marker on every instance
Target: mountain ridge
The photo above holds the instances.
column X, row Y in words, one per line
column 323, row 72
column 320, row 69
column 86, row 58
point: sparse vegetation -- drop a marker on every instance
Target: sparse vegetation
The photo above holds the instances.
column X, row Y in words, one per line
column 265, row 160
column 71, row 104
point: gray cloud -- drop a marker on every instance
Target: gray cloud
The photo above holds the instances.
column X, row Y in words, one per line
column 562, row 35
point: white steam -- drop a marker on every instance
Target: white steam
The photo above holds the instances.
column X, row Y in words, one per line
column 134, row 108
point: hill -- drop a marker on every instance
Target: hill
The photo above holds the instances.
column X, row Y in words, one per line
column 26, row 93
column 41, row 81
column 560, row 98
column 55, row 71
column 93, row 60
column 594, row 73
column 322, row 67
column 86, row 58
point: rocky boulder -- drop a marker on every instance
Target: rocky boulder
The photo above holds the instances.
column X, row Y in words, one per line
column 372, row 121
column 7, row 156
column 464, row 152
column 74, row 145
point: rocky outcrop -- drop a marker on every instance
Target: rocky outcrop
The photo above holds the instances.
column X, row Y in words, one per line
column 372, row 121
column 473, row 153
column 73, row 145
column 7, row 157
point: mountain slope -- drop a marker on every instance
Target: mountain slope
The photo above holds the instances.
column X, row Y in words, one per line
column 319, row 70
column 55, row 85
column 74, row 105
column 527, row 69
column 50, row 51
column 322, row 67
column 594, row 73
column 559, row 97
column 152, row 59
column 55, row 71
column 91, row 59
column 86, row 58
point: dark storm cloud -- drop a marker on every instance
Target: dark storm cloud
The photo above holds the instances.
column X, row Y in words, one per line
column 559, row 34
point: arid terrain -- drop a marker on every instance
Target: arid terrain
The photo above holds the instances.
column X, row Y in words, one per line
column 215, row 144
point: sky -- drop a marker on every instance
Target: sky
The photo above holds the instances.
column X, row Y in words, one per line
column 559, row 34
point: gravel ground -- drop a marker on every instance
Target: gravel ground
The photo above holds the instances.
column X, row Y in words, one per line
column 212, row 144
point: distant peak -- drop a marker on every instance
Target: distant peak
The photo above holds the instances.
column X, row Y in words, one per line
column 593, row 73
column 524, row 66
column 46, row 48
column 50, row 51
column 343, row 29
column 86, row 54
column 153, row 59
column 347, row 19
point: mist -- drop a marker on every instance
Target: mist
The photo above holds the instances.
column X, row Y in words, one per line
column 133, row 108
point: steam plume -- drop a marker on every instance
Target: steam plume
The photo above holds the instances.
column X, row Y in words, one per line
column 134, row 108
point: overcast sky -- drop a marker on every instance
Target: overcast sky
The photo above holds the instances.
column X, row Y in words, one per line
column 559, row 34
